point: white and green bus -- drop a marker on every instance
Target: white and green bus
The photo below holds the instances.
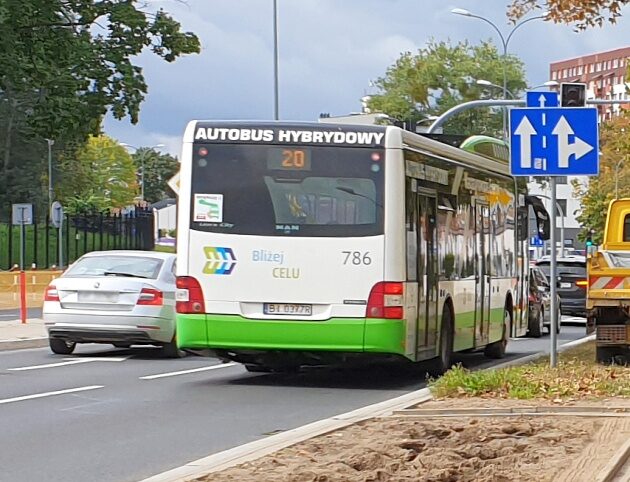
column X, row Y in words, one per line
column 310, row 243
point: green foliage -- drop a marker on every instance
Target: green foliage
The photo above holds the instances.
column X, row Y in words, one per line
column 158, row 169
column 101, row 176
column 614, row 171
column 577, row 375
column 441, row 76
column 64, row 65
column 584, row 13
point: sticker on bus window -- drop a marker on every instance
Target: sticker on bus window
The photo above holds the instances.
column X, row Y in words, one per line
column 208, row 208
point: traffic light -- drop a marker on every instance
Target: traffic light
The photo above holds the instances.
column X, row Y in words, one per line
column 572, row 95
column 589, row 241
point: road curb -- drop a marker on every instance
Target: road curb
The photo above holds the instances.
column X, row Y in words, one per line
column 259, row 448
column 610, row 471
column 23, row 343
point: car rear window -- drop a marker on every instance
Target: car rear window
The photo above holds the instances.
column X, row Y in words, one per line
column 564, row 268
column 124, row 266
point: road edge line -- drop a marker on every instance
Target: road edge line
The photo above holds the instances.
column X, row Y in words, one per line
column 265, row 446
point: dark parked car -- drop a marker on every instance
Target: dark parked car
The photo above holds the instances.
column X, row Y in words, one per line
column 539, row 300
column 572, row 283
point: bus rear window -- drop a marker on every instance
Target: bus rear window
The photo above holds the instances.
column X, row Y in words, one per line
column 277, row 191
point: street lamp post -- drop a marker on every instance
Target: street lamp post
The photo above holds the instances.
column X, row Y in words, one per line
column 504, row 42
column 276, row 114
column 142, row 156
column 50, row 143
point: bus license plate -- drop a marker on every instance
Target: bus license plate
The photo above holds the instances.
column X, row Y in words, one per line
column 287, row 309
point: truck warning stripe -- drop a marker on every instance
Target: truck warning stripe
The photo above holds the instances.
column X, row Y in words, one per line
column 606, row 282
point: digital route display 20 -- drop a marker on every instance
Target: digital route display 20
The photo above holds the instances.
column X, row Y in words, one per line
column 287, row 159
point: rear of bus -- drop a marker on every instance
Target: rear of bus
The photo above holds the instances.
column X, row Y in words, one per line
column 281, row 244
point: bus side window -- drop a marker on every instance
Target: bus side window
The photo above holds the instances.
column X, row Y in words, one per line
column 411, row 230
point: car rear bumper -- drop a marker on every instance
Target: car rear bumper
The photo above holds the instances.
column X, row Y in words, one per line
column 108, row 328
column 573, row 306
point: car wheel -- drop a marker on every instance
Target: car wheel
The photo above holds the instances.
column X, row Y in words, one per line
column 497, row 349
column 536, row 328
column 171, row 350
column 559, row 321
column 61, row 347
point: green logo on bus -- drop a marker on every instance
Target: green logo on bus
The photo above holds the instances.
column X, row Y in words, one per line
column 219, row 260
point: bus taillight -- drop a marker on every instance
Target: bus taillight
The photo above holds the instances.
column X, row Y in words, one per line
column 189, row 297
column 386, row 301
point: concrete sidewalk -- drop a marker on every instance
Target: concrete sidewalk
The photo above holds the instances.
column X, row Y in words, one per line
column 15, row 335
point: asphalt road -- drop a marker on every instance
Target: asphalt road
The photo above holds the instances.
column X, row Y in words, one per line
column 126, row 423
column 14, row 314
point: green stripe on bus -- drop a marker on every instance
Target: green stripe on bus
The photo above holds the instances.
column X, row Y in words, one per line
column 335, row 334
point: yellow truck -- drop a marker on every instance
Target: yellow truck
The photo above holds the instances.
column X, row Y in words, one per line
column 608, row 296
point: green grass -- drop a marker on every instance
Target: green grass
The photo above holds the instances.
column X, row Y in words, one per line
column 576, row 376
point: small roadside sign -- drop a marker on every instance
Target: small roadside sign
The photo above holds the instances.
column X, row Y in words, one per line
column 56, row 214
column 21, row 214
column 173, row 183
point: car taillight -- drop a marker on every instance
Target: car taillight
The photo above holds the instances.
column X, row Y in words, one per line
column 51, row 293
column 150, row 296
column 582, row 283
column 386, row 301
column 189, row 297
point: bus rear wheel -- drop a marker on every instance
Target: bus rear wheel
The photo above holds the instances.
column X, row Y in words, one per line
column 445, row 358
column 497, row 349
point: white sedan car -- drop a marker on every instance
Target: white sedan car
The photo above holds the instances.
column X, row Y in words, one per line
column 120, row 297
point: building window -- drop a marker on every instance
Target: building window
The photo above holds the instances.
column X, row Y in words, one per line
column 561, row 179
column 615, row 63
column 553, row 75
column 580, row 70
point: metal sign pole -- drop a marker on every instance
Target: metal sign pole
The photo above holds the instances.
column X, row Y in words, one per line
column 22, row 236
column 553, row 278
column 60, row 243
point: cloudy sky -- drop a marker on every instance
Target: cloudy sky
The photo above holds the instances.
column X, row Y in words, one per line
column 329, row 51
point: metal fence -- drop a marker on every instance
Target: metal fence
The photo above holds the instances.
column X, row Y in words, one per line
column 132, row 229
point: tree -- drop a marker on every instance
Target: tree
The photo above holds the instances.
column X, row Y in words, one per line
column 441, row 76
column 614, row 170
column 584, row 13
column 101, row 176
column 158, row 169
column 65, row 63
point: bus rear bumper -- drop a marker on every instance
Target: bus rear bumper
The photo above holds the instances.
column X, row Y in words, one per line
column 233, row 332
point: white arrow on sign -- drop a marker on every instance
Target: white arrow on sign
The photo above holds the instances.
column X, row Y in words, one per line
column 525, row 130
column 565, row 149
column 542, row 100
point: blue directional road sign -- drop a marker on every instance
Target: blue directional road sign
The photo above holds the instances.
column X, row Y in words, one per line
column 554, row 142
column 536, row 241
column 542, row 99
